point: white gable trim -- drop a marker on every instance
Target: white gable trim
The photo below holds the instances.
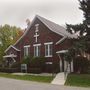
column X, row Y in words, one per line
column 12, row 47
column 11, row 55
column 15, row 48
column 25, row 31
column 62, row 51
column 37, row 44
column 58, row 42
column 62, row 34
column 48, row 43
column 27, row 46
column 49, row 27
column 30, row 27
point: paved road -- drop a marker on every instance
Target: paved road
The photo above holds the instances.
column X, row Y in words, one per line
column 12, row 84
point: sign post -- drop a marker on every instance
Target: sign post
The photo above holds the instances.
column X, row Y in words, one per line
column 24, row 68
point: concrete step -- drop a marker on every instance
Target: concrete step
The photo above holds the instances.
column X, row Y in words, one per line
column 59, row 79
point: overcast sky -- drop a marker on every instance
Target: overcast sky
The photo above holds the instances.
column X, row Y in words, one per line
column 15, row 12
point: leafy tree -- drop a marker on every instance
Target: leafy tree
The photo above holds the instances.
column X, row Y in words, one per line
column 70, row 54
column 78, row 28
column 84, row 27
column 8, row 35
column 26, row 60
column 85, row 7
column 15, row 33
column 82, row 43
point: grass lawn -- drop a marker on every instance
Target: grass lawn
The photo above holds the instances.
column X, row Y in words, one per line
column 82, row 80
column 46, row 79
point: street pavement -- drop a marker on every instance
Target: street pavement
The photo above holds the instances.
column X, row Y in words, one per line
column 12, row 84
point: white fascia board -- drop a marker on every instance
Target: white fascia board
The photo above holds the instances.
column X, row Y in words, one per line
column 61, row 40
column 37, row 44
column 12, row 47
column 27, row 46
column 49, row 27
column 8, row 48
column 26, row 31
column 62, row 51
column 15, row 48
column 11, row 55
column 49, row 56
column 47, row 43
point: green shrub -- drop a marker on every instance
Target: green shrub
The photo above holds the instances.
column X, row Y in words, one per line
column 35, row 70
column 9, row 70
column 26, row 60
column 37, row 62
column 16, row 65
column 81, row 64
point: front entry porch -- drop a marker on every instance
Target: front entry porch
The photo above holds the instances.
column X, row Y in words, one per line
column 64, row 65
column 65, row 68
column 9, row 59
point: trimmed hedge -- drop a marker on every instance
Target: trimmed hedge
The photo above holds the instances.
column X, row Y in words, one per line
column 37, row 65
column 9, row 70
column 37, row 62
column 16, row 65
column 35, row 70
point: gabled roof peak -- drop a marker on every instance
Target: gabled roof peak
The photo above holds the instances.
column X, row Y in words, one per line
column 11, row 46
column 55, row 27
column 51, row 25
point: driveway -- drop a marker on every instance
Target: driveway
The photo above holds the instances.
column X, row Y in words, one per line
column 12, row 84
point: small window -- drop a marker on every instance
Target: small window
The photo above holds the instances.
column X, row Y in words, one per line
column 48, row 49
column 36, row 50
column 26, row 50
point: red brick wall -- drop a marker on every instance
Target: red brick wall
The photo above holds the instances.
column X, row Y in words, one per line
column 45, row 35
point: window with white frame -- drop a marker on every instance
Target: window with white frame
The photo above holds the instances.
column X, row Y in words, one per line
column 48, row 49
column 37, row 50
column 26, row 50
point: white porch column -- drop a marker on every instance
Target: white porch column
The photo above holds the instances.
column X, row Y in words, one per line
column 68, row 68
column 72, row 66
column 65, row 65
column 60, row 63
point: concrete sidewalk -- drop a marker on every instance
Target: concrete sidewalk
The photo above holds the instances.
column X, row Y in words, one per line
column 41, row 74
column 59, row 79
column 12, row 84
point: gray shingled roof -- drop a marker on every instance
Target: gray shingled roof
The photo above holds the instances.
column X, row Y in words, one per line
column 56, row 28
column 52, row 26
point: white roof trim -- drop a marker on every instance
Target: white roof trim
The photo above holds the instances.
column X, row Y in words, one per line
column 15, row 48
column 26, row 31
column 37, row 44
column 30, row 27
column 62, row 34
column 12, row 47
column 58, row 42
column 49, row 27
column 62, row 51
column 27, row 46
column 11, row 55
column 48, row 43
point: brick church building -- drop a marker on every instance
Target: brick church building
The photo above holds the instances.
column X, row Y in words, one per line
column 42, row 38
